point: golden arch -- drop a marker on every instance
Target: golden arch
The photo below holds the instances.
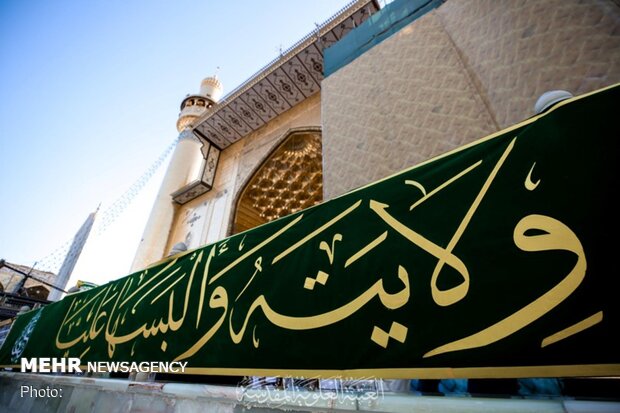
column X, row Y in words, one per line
column 288, row 180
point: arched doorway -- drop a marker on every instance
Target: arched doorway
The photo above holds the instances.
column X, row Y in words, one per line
column 289, row 180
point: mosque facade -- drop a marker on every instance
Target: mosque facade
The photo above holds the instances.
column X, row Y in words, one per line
column 370, row 92
column 367, row 94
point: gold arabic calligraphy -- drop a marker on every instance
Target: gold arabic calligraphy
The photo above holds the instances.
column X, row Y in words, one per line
column 106, row 311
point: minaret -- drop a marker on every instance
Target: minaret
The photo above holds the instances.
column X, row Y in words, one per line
column 185, row 166
column 72, row 257
column 193, row 106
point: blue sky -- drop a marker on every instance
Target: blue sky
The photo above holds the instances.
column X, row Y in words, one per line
column 90, row 93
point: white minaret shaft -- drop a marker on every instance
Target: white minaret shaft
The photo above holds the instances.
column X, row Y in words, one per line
column 72, row 257
column 155, row 237
column 185, row 166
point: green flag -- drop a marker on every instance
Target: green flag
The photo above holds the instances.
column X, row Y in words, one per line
column 493, row 260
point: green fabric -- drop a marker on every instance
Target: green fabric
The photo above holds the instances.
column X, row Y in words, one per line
column 541, row 255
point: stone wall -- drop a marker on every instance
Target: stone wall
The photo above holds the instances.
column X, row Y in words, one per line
column 460, row 72
column 10, row 279
column 516, row 51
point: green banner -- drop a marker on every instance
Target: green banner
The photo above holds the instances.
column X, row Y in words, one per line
column 494, row 260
